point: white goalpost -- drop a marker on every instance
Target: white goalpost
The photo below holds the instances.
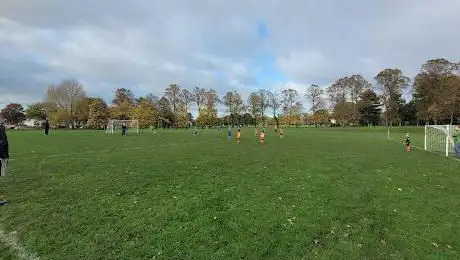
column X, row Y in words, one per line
column 438, row 138
column 115, row 126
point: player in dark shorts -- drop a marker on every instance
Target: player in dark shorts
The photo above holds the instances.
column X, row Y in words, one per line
column 229, row 133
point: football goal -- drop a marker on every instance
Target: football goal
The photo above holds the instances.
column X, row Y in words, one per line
column 114, row 126
column 438, row 138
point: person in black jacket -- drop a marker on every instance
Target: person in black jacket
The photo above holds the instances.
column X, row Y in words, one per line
column 47, row 127
column 4, row 151
column 124, row 128
column 4, row 155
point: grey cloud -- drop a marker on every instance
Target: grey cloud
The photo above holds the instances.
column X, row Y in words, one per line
column 149, row 44
column 18, row 80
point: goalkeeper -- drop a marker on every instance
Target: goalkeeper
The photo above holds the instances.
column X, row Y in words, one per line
column 407, row 142
column 457, row 141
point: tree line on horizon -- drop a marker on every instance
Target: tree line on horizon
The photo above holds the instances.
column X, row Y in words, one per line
column 350, row 100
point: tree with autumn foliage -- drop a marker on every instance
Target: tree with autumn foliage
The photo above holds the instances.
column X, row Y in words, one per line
column 207, row 117
column 390, row 85
column 98, row 114
column 65, row 98
column 13, row 113
column 320, row 117
column 145, row 113
column 344, row 95
column 437, row 91
column 123, row 96
column 36, row 111
column 82, row 111
column 291, row 106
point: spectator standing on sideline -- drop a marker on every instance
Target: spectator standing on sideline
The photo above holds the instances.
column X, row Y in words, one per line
column 4, row 155
column 123, row 130
column 47, row 127
column 4, row 151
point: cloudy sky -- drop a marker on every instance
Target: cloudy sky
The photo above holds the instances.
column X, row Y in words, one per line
column 239, row 45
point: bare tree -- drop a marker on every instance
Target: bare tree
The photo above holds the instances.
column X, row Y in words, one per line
column 357, row 84
column 274, row 102
column 172, row 92
column 315, row 93
column 228, row 101
column 234, row 102
column 339, row 98
column 66, row 96
column 186, row 98
column 199, row 97
column 254, row 106
column 211, row 99
column 289, row 100
column 338, row 92
column 264, row 96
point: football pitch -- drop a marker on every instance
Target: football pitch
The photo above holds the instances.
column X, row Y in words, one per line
column 317, row 193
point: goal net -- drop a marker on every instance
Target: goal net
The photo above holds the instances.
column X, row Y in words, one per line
column 438, row 138
column 115, row 126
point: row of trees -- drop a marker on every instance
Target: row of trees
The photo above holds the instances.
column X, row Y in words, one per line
column 350, row 100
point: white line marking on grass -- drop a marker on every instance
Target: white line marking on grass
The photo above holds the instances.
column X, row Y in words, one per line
column 10, row 241
column 109, row 150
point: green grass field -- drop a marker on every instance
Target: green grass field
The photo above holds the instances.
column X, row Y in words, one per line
column 317, row 193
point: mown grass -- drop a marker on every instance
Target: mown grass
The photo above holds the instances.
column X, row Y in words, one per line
column 317, row 193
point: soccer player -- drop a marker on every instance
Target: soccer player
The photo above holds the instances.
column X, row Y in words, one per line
column 46, row 126
column 195, row 131
column 281, row 133
column 238, row 136
column 457, row 141
column 4, row 150
column 123, row 129
column 229, row 133
column 262, row 137
column 407, row 142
